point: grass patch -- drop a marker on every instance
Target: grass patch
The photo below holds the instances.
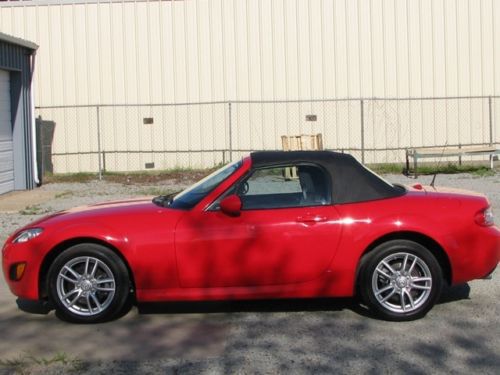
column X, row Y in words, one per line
column 131, row 177
column 190, row 174
column 34, row 210
column 153, row 191
column 430, row 169
column 479, row 170
column 70, row 177
column 24, row 364
column 485, row 172
column 387, row 168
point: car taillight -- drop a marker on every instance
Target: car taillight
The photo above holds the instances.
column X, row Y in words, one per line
column 485, row 217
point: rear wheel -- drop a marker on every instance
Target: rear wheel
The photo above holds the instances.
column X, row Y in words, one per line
column 400, row 280
column 89, row 283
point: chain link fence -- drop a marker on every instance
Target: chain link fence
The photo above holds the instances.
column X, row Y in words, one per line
column 123, row 138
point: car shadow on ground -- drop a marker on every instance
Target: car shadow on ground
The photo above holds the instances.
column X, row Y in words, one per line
column 449, row 294
column 454, row 293
column 282, row 305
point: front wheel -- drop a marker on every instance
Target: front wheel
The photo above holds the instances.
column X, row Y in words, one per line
column 88, row 283
column 400, row 280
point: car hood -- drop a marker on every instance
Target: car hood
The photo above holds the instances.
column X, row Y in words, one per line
column 102, row 210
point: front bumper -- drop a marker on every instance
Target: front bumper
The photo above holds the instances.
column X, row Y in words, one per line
column 41, row 307
column 27, row 286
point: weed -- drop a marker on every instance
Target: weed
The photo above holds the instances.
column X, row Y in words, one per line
column 486, row 172
column 16, row 365
column 34, row 210
column 70, row 177
column 450, row 168
column 133, row 176
column 430, row 168
column 386, row 168
column 153, row 191
column 24, row 363
column 64, row 194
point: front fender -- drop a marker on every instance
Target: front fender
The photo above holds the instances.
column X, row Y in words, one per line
column 100, row 232
column 63, row 237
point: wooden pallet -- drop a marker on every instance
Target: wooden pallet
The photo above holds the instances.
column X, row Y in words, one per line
column 303, row 142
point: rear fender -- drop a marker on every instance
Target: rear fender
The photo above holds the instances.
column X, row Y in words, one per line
column 358, row 238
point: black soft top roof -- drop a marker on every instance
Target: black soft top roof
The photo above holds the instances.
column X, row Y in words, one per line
column 350, row 180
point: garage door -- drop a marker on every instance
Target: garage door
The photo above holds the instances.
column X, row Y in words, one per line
column 6, row 153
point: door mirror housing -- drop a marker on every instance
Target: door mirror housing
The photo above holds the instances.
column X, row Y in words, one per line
column 231, row 205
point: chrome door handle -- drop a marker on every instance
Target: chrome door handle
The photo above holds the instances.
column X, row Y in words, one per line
column 311, row 219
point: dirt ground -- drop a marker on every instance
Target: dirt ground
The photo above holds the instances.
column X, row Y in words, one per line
column 460, row 335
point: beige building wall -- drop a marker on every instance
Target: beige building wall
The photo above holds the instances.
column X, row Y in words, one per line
column 143, row 52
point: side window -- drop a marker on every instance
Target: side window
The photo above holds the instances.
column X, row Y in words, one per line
column 285, row 186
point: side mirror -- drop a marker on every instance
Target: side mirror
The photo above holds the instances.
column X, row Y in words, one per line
column 231, row 205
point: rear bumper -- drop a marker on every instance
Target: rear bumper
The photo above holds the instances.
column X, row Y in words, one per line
column 489, row 275
column 475, row 256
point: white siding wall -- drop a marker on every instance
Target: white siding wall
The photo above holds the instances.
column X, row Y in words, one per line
column 185, row 51
column 217, row 50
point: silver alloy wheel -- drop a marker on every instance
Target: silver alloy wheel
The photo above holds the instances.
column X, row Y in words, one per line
column 402, row 282
column 86, row 286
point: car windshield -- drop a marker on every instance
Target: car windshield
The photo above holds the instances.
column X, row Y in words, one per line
column 190, row 197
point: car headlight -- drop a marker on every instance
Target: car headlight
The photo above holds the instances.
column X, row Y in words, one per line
column 27, row 235
column 489, row 218
column 485, row 217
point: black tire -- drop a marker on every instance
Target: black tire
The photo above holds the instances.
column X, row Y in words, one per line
column 105, row 300
column 413, row 293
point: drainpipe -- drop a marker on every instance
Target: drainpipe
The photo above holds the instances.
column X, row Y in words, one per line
column 33, row 123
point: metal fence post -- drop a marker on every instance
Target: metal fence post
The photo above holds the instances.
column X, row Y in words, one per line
column 99, row 142
column 362, row 131
column 39, row 132
column 490, row 108
column 230, row 133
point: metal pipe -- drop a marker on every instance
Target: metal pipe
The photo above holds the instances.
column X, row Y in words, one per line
column 490, row 107
column 362, row 131
column 36, row 177
column 99, row 143
column 230, row 133
column 268, row 101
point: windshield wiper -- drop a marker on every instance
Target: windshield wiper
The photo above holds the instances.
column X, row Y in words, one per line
column 165, row 200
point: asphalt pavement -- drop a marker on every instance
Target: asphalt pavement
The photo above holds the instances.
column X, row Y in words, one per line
column 460, row 335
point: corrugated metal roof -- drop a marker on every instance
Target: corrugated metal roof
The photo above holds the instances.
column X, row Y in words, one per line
column 18, row 41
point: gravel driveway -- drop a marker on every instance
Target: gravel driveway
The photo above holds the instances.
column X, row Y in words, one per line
column 461, row 334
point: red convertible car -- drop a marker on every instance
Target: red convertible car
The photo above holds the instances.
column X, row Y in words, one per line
column 274, row 225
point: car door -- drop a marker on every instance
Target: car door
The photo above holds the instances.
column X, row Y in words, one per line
column 287, row 232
